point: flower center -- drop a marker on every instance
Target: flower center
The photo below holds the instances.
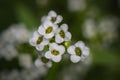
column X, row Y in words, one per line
column 39, row 40
column 55, row 52
column 49, row 30
column 44, row 60
column 53, row 19
column 62, row 34
column 78, row 51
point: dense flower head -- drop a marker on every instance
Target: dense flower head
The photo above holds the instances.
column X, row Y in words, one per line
column 54, row 40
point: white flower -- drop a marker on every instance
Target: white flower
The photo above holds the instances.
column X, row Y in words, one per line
column 78, row 52
column 13, row 75
column 8, row 52
column 42, row 61
column 62, row 34
column 25, row 60
column 89, row 28
column 48, row 29
column 55, row 52
column 53, row 17
column 38, row 41
column 16, row 33
column 77, row 5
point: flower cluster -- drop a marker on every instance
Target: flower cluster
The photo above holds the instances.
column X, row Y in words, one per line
column 54, row 40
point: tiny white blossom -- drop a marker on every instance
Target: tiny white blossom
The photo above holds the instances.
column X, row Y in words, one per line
column 8, row 52
column 16, row 33
column 53, row 17
column 13, row 75
column 25, row 60
column 48, row 29
column 38, row 41
column 55, row 52
column 77, row 5
column 78, row 52
column 42, row 61
column 62, row 34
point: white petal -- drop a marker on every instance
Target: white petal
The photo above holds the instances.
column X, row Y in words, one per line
column 47, row 23
column 43, row 19
column 40, row 47
column 48, row 55
column 52, row 13
column 50, row 35
column 56, row 58
column 41, row 30
column 61, row 49
column 36, row 34
column 68, row 36
column 58, row 39
column 55, row 27
column 53, row 46
column 49, row 64
column 80, row 44
column 32, row 41
column 59, row 19
column 38, row 63
column 75, row 58
column 71, row 50
column 86, row 51
column 45, row 42
column 64, row 27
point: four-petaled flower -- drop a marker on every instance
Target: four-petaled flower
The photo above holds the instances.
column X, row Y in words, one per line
column 53, row 17
column 62, row 34
column 38, row 41
column 48, row 29
column 43, row 61
column 55, row 52
column 78, row 52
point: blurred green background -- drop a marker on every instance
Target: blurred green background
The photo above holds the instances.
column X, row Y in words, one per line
column 105, row 64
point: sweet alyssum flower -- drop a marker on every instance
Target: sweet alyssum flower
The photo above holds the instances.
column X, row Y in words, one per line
column 43, row 61
column 25, row 60
column 55, row 52
column 62, row 34
column 53, row 17
column 53, row 40
column 38, row 41
column 78, row 52
column 48, row 29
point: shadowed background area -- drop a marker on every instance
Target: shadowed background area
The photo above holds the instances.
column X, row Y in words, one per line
column 96, row 22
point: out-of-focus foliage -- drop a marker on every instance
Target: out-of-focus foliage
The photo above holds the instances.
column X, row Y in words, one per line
column 96, row 22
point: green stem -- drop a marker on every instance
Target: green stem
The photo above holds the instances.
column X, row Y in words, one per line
column 53, row 72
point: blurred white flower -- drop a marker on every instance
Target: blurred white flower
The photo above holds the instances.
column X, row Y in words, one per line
column 13, row 75
column 16, row 33
column 25, row 60
column 104, row 31
column 78, row 52
column 89, row 28
column 8, row 52
column 55, row 52
column 77, row 5
column 108, row 28
column 62, row 34
column 32, row 73
column 38, row 41
column 42, row 61
column 48, row 29
column 53, row 17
